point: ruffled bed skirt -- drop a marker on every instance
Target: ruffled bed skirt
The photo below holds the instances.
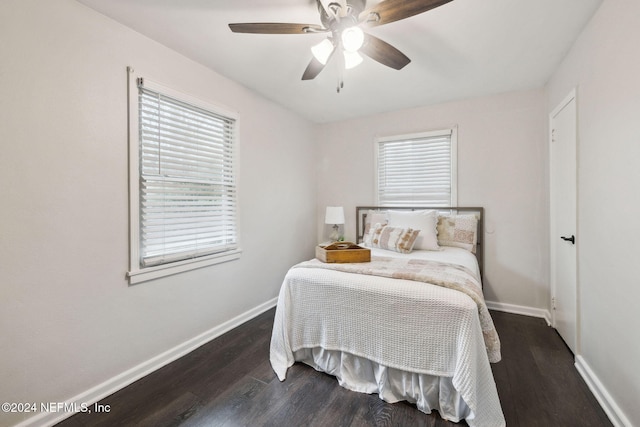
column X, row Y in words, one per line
column 355, row 373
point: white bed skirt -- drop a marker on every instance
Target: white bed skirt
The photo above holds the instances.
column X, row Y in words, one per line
column 427, row 392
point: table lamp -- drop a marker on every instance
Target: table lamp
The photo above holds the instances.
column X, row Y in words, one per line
column 334, row 215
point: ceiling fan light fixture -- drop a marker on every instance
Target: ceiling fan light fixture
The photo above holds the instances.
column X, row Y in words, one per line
column 351, row 59
column 352, row 38
column 344, row 20
column 322, row 51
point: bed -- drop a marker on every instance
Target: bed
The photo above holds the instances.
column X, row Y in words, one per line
column 409, row 325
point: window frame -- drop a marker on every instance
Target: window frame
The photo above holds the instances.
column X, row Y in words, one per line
column 451, row 131
column 137, row 273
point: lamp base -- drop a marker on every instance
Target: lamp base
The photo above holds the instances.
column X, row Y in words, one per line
column 335, row 235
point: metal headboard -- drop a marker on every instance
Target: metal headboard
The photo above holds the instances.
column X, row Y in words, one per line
column 361, row 213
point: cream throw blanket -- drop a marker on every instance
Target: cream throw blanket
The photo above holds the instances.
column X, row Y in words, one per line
column 447, row 275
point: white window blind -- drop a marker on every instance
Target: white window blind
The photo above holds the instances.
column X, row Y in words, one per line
column 417, row 170
column 187, row 192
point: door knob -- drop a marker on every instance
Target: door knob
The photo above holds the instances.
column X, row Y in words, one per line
column 571, row 239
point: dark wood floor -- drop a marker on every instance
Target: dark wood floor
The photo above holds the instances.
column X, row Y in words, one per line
column 229, row 382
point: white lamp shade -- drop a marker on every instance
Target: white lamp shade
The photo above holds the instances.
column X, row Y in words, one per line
column 334, row 215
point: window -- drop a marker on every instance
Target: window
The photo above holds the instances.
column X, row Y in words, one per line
column 182, row 182
column 417, row 170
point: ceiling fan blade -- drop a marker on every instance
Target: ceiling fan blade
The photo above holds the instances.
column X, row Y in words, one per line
column 394, row 10
column 313, row 69
column 276, row 28
column 383, row 52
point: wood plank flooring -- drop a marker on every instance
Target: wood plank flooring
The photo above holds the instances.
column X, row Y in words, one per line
column 229, row 382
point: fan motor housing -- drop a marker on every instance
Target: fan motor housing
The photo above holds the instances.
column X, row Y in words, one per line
column 354, row 7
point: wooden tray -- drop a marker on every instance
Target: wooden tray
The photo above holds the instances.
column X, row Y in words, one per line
column 343, row 252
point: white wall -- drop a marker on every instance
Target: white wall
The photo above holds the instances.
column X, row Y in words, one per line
column 68, row 319
column 501, row 166
column 604, row 65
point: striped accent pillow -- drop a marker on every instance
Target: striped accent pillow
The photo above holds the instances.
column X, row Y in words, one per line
column 393, row 238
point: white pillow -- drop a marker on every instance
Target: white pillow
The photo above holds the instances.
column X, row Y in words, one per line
column 373, row 218
column 426, row 221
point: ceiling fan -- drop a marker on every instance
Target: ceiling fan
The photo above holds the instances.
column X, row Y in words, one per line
column 345, row 20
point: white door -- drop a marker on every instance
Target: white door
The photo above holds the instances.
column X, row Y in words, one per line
column 564, row 240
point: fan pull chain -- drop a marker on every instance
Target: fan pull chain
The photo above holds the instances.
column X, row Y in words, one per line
column 340, row 65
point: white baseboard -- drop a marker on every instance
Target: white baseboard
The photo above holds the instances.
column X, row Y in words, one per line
column 520, row 309
column 99, row 392
column 613, row 411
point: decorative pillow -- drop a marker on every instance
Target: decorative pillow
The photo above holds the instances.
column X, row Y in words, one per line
column 392, row 238
column 425, row 221
column 460, row 231
column 373, row 218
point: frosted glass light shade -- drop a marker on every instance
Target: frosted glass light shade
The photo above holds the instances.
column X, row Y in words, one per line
column 352, row 39
column 351, row 59
column 322, row 51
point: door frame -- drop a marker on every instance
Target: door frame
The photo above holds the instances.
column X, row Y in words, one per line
column 553, row 233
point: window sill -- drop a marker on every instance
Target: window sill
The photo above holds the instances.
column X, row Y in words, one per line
column 156, row 272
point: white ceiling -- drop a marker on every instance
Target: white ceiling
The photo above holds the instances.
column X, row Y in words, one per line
column 463, row 49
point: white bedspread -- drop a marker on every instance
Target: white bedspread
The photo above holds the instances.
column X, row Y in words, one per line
column 400, row 324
